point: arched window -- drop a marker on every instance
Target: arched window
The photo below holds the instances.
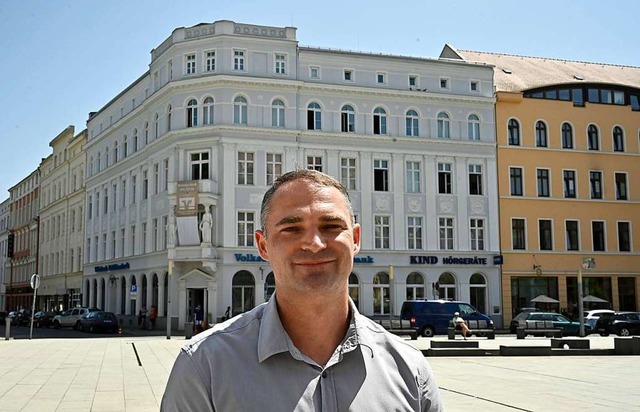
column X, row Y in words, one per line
column 381, row 294
column 348, row 119
column 277, row 113
column 242, row 292
column 593, row 140
column 314, row 116
column 135, row 140
column 207, row 108
column 98, row 163
column 90, row 170
column 478, row 292
column 473, row 124
column 146, row 133
column 106, row 157
column 541, row 134
column 156, row 126
column 354, row 289
column 192, row 113
column 444, row 127
column 415, row 286
column 379, row 121
column 125, row 146
column 168, row 118
column 411, row 123
column 240, row 110
column 618, row 139
column 513, row 129
column 115, row 152
column 567, row 136
column 270, row 280
column 447, row 286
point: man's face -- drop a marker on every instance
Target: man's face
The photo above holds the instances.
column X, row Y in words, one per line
column 309, row 240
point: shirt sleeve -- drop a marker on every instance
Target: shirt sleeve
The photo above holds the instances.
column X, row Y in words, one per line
column 187, row 390
column 429, row 393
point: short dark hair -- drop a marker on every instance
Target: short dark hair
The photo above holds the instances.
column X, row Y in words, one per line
column 314, row 176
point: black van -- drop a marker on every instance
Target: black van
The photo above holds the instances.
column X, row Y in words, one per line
column 432, row 317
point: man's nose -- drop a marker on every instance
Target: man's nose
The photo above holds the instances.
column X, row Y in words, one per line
column 313, row 241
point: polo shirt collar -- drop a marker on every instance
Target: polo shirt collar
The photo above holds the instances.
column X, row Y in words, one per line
column 273, row 339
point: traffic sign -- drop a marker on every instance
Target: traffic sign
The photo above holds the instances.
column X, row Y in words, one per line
column 35, row 281
column 134, row 292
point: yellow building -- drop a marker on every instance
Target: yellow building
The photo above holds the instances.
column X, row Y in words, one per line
column 568, row 180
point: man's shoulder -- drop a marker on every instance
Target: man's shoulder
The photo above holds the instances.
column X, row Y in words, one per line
column 382, row 337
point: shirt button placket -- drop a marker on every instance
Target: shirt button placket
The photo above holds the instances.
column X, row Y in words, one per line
column 329, row 400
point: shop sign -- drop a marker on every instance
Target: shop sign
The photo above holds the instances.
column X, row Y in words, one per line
column 448, row 260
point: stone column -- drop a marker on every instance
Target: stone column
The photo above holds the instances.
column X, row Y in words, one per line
column 161, row 297
column 118, row 287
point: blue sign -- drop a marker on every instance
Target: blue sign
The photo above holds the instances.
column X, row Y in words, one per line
column 113, row 266
column 134, row 288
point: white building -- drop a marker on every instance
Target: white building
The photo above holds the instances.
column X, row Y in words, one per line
column 62, row 221
column 4, row 239
column 226, row 107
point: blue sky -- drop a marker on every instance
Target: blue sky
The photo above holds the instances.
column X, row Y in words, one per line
column 62, row 59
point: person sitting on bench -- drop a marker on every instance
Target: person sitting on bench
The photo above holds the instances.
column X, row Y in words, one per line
column 459, row 324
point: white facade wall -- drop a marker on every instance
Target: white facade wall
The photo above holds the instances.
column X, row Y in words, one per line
column 4, row 234
column 210, row 274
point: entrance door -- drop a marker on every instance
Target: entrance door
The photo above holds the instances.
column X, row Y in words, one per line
column 196, row 297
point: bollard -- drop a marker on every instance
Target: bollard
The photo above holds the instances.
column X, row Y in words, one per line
column 188, row 330
column 7, row 328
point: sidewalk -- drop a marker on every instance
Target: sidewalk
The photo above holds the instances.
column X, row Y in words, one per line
column 104, row 374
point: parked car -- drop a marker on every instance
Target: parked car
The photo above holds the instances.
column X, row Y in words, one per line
column 22, row 317
column 71, row 317
column 430, row 317
column 43, row 319
column 559, row 321
column 620, row 323
column 99, row 321
column 592, row 316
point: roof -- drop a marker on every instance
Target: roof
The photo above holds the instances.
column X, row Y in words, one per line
column 518, row 73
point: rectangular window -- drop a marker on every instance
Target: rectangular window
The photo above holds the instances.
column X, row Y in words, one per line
column 621, row 186
column 165, row 220
column 144, row 237
column 133, row 240
column 477, row 234
column 518, row 234
column 381, row 78
column 245, row 168
column 122, row 242
column 414, row 232
column 624, row 238
column 123, row 193
column 597, row 235
column 546, row 234
column 413, row 80
column 145, row 185
column 515, row 181
column 191, row 64
column 543, row 182
column 90, row 208
column 444, row 178
column 444, row 83
column 104, row 246
column 105, row 197
column 475, row 180
column 445, row 227
column 380, row 175
column 569, row 184
column 113, row 245
column 474, row 86
column 165, row 169
column 134, row 179
column 155, row 228
column 156, row 178
column 246, row 227
column 200, row 166
column 348, row 172
column 238, row 60
column 348, row 75
column 595, row 180
column 572, row 235
column 314, row 163
column 412, row 177
column 210, row 61
column 314, row 72
column 382, row 231
column 274, row 167
column 281, row 60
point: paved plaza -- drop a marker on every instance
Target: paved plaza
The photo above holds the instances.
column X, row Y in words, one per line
column 129, row 374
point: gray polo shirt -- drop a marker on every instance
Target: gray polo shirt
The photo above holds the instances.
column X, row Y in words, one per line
column 250, row 364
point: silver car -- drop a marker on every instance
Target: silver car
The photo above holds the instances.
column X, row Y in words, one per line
column 71, row 317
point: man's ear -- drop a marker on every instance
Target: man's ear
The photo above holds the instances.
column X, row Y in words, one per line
column 261, row 243
column 356, row 238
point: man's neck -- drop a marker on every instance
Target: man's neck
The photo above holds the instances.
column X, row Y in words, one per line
column 316, row 326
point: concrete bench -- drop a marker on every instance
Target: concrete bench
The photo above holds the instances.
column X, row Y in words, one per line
column 538, row 328
column 476, row 327
column 571, row 343
column 398, row 327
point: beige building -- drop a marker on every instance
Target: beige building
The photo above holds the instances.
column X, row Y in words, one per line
column 61, row 221
column 569, row 179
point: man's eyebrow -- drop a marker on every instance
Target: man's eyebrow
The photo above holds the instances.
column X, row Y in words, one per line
column 287, row 220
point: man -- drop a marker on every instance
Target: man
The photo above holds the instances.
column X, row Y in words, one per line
column 308, row 348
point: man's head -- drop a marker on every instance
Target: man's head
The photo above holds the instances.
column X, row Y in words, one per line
column 308, row 234
column 318, row 178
